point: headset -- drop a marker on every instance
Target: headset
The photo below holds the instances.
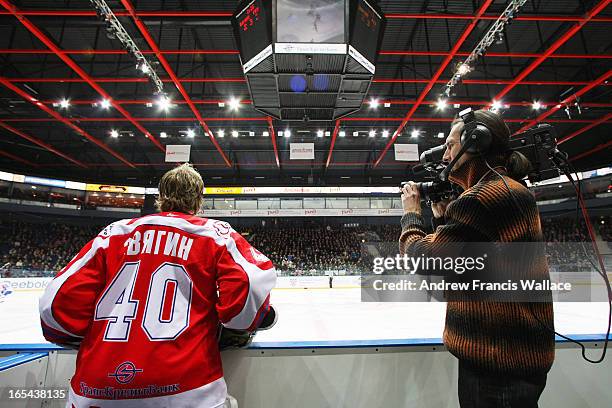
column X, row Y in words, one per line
column 476, row 138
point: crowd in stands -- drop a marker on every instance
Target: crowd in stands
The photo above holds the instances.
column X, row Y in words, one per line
column 30, row 249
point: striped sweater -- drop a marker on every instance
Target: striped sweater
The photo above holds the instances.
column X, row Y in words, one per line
column 494, row 337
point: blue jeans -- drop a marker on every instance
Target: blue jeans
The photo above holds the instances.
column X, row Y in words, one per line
column 484, row 390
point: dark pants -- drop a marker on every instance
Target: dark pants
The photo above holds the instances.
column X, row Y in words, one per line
column 483, row 390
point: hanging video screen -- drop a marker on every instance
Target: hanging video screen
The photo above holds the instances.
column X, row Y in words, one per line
column 310, row 21
column 252, row 26
column 366, row 29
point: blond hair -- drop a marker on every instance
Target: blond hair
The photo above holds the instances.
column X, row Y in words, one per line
column 181, row 190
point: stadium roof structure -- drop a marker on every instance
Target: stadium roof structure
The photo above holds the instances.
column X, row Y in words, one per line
column 73, row 103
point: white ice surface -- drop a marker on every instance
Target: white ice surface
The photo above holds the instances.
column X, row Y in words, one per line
column 321, row 315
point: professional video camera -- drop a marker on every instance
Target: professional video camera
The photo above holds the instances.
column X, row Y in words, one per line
column 538, row 144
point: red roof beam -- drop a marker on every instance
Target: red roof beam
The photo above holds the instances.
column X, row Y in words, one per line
column 213, row 14
column 42, row 144
column 65, row 121
column 273, row 137
column 580, row 131
column 76, row 68
column 570, row 99
column 236, row 52
column 18, row 159
column 554, row 47
column 332, row 144
column 468, row 30
column 155, row 48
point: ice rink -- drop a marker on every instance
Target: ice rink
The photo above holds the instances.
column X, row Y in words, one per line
column 324, row 317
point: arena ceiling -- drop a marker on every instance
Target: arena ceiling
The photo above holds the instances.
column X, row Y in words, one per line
column 55, row 50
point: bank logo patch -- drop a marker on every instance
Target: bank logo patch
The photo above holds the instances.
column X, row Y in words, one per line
column 125, row 372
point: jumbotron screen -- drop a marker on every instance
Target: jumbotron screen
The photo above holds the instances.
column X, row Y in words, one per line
column 253, row 26
column 365, row 31
column 310, row 21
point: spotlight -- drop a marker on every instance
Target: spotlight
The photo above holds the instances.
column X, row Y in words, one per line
column 190, row 133
column 234, row 133
column 143, row 67
column 372, row 133
column 234, row 104
column 221, row 133
column 342, row 133
column 355, row 134
column 415, row 133
column 537, row 105
column 441, row 135
column 463, row 69
column 441, row 104
column 287, row 133
column 320, row 133
column 385, row 134
column 114, row 133
column 64, row 103
column 163, row 135
column 496, row 106
column 251, row 133
column 374, row 103
column 265, row 133
column 164, row 103
column 105, row 104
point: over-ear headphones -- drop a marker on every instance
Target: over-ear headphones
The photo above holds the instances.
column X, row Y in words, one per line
column 477, row 133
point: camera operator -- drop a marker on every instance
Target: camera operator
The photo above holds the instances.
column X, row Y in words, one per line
column 505, row 349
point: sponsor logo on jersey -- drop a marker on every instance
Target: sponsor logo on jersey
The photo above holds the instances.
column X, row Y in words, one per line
column 125, row 372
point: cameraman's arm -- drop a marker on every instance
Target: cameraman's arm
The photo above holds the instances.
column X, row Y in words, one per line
column 463, row 223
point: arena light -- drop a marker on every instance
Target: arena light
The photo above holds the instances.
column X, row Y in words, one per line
column 114, row 133
column 64, row 103
column 463, row 69
column 342, row 133
column 385, row 133
column 163, row 135
column 287, row 133
column 496, row 106
column 221, row 133
column 415, row 133
column 441, row 135
column 441, row 104
column 537, row 105
column 320, row 133
column 265, row 133
column 234, row 133
column 164, row 103
column 190, row 133
column 105, row 104
column 143, row 67
column 372, row 133
column 355, row 134
column 374, row 103
column 234, row 104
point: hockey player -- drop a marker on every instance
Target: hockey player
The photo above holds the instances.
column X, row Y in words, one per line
column 143, row 300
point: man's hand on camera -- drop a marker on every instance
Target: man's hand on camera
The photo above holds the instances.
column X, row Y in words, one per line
column 439, row 208
column 411, row 198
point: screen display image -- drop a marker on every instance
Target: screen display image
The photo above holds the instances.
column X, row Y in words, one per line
column 365, row 31
column 253, row 29
column 310, row 21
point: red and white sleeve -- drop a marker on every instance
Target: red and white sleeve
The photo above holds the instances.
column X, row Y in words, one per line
column 245, row 278
column 67, row 305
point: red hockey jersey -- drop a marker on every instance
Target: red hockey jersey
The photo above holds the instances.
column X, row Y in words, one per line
column 144, row 299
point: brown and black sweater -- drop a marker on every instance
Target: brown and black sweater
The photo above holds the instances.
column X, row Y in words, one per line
column 496, row 337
